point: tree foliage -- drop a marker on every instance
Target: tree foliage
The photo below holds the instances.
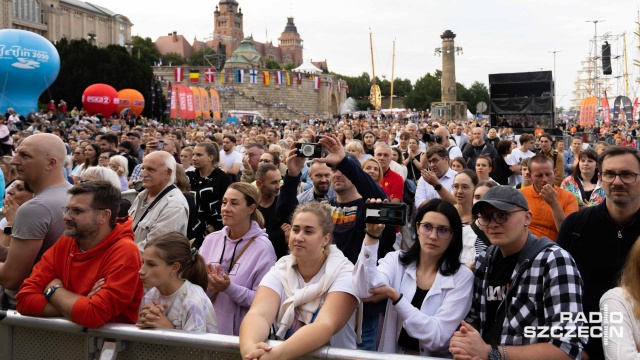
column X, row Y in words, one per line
column 425, row 91
column 203, row 57
column 83, row 64
column 173, row 59
column 271, row 64
column 145, row 50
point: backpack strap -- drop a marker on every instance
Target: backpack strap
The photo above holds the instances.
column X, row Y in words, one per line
column 530, row 250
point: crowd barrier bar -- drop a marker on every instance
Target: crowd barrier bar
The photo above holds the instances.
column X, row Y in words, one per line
column 25, row 337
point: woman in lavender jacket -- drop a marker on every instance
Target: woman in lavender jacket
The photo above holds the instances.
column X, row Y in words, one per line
column 238, row 256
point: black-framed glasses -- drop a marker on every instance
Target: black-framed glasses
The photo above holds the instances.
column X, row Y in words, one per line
column 442, row 232
column 76, row 211
column 499, row 217
column 434, row 160
column 627, row 178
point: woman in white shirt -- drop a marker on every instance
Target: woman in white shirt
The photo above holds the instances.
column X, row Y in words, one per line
column 464, row 184
column 308, row 295
column 623, row 306
column 429, row 291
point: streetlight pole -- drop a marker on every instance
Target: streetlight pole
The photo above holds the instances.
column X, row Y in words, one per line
column 595, row 65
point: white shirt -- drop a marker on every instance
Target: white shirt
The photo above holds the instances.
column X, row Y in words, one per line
column 346, row 337
column 398, row 168
column 425, row 191
column 454, row 151
column 514, row 158
column 229, row 159
column 433, row 324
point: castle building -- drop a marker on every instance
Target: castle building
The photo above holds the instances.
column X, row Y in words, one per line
column 228, row 31
column 71, row 19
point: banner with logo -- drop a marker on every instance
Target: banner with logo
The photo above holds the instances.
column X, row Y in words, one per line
column 196, row 101
column 206, row 103
column 215, row 104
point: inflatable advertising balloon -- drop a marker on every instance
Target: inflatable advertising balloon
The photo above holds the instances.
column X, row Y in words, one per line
column 29, row 64
column 130, row 98
column 100, row 99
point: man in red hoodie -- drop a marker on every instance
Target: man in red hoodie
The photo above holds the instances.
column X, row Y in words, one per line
column 90, row 276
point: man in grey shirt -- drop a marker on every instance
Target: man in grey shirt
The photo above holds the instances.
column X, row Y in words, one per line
column 38, row 222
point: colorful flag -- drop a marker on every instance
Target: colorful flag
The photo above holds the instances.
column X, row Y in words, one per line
column 222, row 73
column 209, row 75
column 279, row 77
column 253, row 76
column 266, row 77
column 228, row 75
column 160, row 61
column 317, row 82
column 288, row 78
column 239, row 76
column 173, row 104
column 191, row 112
column 346, row 88
column 330, row 83
column 339, row 86
column 178, row 74
column 194, row 75
column 299, row 75
column 635, row 111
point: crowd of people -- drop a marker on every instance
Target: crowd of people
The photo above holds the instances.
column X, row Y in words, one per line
column 233, row 230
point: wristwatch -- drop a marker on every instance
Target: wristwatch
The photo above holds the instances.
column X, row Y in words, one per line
column 437, row 187
column 494, row 354
column 7, row 230
column 51, row 290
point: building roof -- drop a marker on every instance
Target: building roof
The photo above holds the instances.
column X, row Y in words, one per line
column 89, row 7
column 291, row 27
column 246, row 53
column 174, row 43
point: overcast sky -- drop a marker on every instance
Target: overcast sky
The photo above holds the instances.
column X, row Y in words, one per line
column 496, row 35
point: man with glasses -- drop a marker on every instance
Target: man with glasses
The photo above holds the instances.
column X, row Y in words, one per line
column 600, row 237
column 549, row 204
column 250, row 162
column 38, row 222
column 523, row 285
column 437, row 178
column 90, row 276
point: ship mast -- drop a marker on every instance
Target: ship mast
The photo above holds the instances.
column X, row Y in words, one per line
column 393, row 61
column 373, row 68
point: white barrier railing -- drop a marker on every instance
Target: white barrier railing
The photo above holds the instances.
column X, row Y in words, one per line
column 25, row 337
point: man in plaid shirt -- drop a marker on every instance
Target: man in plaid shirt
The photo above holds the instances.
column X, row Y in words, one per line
column 539, row 294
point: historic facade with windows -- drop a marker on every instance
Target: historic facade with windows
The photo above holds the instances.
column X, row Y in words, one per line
column 71, row 19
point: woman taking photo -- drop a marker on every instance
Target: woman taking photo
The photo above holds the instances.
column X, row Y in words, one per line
column 429, row 291
column 464, row 184
column 177, row 277
column 238, row 256
column 584, row 182
column 208, row 183
column 308, row 295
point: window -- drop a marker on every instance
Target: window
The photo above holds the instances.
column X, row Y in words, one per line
column 28, row 10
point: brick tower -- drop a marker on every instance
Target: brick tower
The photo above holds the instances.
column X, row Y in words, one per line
column 290, row 44
column 227, row 25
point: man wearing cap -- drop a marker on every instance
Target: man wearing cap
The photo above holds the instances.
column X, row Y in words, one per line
column 524, row 286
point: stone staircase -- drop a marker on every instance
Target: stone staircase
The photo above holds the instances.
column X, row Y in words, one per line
column 235, row 100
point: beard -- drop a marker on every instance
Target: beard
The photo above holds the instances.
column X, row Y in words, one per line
column 81, row 232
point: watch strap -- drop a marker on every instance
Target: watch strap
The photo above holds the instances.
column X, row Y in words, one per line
column 7, row 230
column 49, row 292
column 437, row 187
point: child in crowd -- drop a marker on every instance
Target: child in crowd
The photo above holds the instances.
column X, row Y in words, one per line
column 177, row 276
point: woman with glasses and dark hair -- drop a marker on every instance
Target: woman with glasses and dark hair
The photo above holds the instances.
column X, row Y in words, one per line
column 584, row 182
column 428, row 291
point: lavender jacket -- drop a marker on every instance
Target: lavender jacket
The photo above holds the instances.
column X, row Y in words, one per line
column 233, row 304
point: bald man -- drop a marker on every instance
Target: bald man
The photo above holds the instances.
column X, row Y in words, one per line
column 452, row 148
column 38, row 222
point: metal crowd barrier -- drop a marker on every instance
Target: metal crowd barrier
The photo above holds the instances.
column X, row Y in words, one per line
column 25, row 337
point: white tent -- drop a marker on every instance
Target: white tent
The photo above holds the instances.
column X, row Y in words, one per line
column 470, row 116
column 308, row 67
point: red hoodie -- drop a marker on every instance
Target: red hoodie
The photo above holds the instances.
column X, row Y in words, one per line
column 116, row 259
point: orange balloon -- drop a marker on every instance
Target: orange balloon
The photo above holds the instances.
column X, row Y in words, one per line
column 130, row 98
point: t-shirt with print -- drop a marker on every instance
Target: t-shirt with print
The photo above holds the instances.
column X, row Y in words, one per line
column 499, row 279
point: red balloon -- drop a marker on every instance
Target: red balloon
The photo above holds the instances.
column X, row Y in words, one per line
column 100, row 98
column 130, row 98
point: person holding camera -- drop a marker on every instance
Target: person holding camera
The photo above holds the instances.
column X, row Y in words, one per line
column 438, row 289
column 352, row 186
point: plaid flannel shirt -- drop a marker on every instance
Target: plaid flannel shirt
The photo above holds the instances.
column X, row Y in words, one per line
column 136, row 174
column 552, row 285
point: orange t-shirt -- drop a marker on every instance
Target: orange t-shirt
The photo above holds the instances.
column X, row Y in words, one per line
column 542, row 223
